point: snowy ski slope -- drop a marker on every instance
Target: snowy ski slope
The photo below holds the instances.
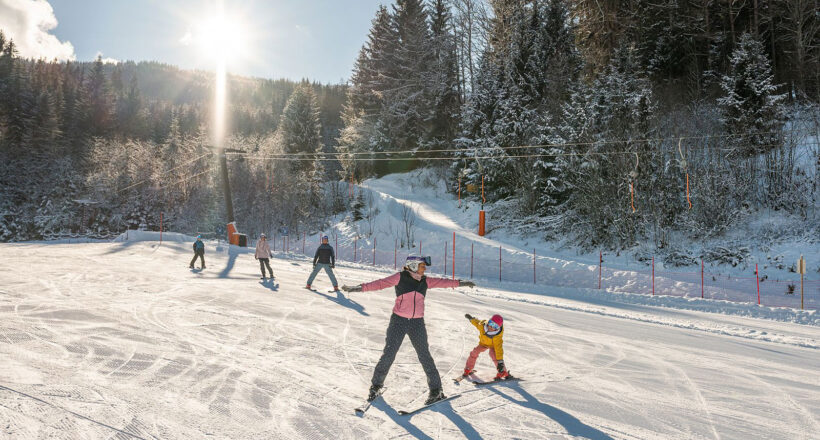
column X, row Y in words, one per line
column 122, row 340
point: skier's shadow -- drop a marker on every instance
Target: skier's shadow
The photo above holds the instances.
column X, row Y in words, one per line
column 270, row 285
column 233, row 252
column 463, row 425
column 574, row 427
column 413, row 430
column 344, row 301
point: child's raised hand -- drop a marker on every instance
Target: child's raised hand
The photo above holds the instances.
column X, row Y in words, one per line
column 469, row 316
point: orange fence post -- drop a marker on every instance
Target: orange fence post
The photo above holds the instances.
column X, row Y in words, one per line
column 600, row 266
column 454, row 255
column 701, row 279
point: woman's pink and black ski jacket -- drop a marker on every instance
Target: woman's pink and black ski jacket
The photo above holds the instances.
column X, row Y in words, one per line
column 410, row 293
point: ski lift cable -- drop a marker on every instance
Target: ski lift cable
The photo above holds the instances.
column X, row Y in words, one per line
column 351, row 155
column 164, row 173
column 323, row 156
column 562, row 144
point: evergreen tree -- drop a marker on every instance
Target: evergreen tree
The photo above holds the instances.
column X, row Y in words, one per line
column 752, row 109
column 99, row 98
column 602, row 121
column 19, row 103
column 300, row 134
column 525, row 72
column 443, row 78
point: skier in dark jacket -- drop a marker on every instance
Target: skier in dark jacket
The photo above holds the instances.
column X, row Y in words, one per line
column 324, row 259
column 411, row 287
column 199, row 251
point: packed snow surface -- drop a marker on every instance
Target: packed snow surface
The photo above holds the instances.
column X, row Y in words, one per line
column 122, row 340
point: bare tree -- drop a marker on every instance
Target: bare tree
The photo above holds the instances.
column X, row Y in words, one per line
column 408, row 216
column 470, row 22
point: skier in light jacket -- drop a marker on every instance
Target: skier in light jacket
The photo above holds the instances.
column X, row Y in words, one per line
column 263, row 254
column 408, row 319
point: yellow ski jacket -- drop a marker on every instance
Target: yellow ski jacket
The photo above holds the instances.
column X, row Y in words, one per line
column 496, row 342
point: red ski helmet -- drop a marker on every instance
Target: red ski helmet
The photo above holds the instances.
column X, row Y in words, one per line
column 498, row 320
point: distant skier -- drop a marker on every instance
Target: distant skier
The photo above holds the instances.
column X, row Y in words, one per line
column 263, row 254
column 325, row 259
column 199, row 251
column 490, row 337
column 408, row 319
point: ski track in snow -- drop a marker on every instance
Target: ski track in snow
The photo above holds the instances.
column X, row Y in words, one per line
column 122, row 340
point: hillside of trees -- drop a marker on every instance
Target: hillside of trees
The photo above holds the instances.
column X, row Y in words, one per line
column 612, row 122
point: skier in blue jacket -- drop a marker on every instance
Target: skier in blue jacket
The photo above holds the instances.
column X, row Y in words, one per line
column 199, row 251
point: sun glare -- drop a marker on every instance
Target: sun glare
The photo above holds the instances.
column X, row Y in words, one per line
column 221, row 37
column 222, row 42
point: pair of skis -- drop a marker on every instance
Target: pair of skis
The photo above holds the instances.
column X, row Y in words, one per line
column 329, row 291
column 363, row 409
column 479, row 383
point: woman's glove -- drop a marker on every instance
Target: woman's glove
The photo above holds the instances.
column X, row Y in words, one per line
column 462, row 283
column 469, row 316
column 500, row 366
column 352, row 288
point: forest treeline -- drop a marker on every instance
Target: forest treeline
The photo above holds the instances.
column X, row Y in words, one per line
column 610, row 121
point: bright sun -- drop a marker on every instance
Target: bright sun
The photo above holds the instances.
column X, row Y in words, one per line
column 222, row 40
column 221, row 37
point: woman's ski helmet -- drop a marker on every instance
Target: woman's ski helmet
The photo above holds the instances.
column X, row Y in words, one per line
column 412, row 262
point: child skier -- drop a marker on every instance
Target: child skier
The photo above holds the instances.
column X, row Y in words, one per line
column 408, row 319
column 199, row 251
column 324, row 259
column 490, row 337
column 263, row 254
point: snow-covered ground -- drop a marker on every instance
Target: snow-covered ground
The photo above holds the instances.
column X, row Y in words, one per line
column 438, row 218
column 122, row 340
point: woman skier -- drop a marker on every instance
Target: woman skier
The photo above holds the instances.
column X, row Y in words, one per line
column 408, row 319
column 263, row 254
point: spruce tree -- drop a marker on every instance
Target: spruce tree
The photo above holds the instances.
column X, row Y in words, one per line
column 100, row 100
column 752, row 109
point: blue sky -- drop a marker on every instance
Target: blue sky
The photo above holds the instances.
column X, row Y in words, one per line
column 315, row 39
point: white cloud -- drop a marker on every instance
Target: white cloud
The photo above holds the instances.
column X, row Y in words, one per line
column 28, row 23
column 106, row 60
column 187, row 39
